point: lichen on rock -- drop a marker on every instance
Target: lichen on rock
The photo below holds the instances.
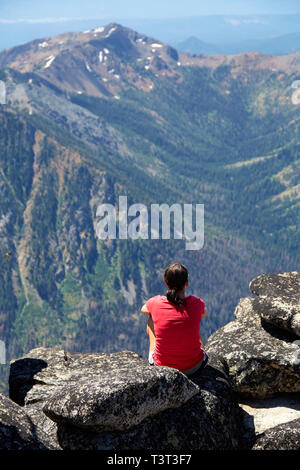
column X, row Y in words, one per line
column 278, row 301
column 17, row 431
column 119, row 401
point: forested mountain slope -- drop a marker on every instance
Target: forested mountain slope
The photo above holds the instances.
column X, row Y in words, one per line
column 95, row 115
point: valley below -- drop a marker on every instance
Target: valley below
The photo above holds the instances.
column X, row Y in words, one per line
column 109, row 112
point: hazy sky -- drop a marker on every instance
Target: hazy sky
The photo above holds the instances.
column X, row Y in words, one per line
column 53, row 10
column 170, row 21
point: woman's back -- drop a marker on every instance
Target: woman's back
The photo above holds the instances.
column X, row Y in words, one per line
column 177, row 331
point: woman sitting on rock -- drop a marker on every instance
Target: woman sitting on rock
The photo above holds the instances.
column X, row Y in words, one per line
column 174, row 324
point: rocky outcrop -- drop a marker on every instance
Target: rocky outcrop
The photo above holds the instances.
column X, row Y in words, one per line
column 209, row 420
column 119, row 401
column 260, row 350
column 286, row 436
column 278, row 301
column 17, row 432
column 270, row 412
column 247, row 396
column 259, row 364
column 261, row 358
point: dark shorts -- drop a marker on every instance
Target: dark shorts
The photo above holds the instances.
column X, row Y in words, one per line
column 191, row 371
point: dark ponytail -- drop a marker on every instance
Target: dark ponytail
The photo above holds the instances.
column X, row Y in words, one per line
column 173, row 297
column 175, row 277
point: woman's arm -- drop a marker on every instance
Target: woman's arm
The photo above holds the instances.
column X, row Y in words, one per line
column 202, row 316
column 144, row 310
column 201, row 342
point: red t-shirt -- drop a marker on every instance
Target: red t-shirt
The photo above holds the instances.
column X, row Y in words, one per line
column 177, row 330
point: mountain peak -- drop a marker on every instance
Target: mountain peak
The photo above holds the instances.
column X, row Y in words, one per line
column 98, row 61
column 102, row 61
